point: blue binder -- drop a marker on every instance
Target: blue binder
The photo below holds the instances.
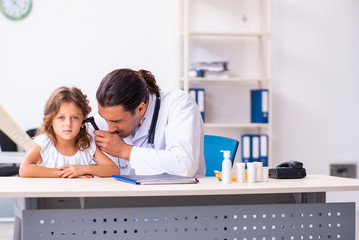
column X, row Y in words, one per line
column 198, row 95
column 246, row 148
column 263, row 149
column 255, row 148
column 259, row 105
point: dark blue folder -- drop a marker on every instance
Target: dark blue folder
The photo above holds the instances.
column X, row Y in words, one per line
column 259, row 105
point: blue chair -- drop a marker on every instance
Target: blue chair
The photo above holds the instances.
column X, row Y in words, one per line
column 212, row 152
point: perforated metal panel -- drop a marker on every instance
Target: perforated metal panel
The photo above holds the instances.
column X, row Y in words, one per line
column 243, row 222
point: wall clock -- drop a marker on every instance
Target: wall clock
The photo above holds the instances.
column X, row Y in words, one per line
column 15, row 9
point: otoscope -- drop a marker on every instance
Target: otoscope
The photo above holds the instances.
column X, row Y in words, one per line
column 92, row 121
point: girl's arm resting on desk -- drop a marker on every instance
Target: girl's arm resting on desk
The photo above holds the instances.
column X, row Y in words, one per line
column 105, row 167
column 29, row 167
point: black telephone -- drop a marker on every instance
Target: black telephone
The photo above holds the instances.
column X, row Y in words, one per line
column 291, row 164
column 291, row 169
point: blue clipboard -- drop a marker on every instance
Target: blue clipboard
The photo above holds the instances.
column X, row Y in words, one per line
column 163, row 178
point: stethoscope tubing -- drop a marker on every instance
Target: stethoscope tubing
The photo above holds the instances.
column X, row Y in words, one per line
column 152, row 130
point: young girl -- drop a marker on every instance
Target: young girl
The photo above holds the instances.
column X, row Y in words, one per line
column 62, row 147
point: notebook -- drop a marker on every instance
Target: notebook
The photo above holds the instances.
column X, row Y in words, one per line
column 163, row 178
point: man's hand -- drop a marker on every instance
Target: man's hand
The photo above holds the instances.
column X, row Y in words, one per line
column 113, row 144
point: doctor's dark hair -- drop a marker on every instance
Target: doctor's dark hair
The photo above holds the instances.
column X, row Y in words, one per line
column 127, row 88
column 52, row 106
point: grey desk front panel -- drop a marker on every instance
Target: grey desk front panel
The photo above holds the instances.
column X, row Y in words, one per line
column 227, row 222
column 167, row 201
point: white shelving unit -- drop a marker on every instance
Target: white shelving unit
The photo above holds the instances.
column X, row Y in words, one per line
column 210, row 30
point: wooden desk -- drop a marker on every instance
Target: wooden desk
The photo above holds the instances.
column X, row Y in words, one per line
column 108, row 187
column 104, row 208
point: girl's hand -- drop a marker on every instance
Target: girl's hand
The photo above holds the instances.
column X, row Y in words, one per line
column 86, row 176
column 71, row 171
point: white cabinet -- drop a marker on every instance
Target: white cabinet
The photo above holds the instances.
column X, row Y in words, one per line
column 237, row 31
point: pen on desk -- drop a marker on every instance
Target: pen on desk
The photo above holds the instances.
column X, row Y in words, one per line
column 129, row 180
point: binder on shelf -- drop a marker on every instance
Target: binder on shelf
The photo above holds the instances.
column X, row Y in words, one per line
column 198, row 95
column 255, row 148
column 263, row 149
column 259, row 105
column 246, row 148
column 193, row 93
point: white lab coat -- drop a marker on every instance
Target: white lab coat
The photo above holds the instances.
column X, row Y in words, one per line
column 178, row 142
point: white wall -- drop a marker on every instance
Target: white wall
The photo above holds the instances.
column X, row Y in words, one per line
column 315, row 65
column 78, row 43
column 315, row 82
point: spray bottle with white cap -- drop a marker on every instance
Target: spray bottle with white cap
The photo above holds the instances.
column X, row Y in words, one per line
column 226, row 167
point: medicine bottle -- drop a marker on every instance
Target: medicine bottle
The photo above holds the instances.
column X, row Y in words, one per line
column 226, row 167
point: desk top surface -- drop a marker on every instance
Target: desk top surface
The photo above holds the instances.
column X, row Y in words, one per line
column 108, row 187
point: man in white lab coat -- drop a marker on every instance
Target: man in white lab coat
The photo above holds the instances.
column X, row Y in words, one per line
column 127, row 102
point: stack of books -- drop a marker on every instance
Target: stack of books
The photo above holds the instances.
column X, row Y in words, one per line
column 209, row 69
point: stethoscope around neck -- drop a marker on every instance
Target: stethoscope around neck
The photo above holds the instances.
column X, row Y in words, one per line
column 152, row 130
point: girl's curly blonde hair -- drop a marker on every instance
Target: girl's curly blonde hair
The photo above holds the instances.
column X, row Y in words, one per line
column 65, row 95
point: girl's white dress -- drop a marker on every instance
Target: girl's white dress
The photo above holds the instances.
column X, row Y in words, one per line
column 52, row 158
